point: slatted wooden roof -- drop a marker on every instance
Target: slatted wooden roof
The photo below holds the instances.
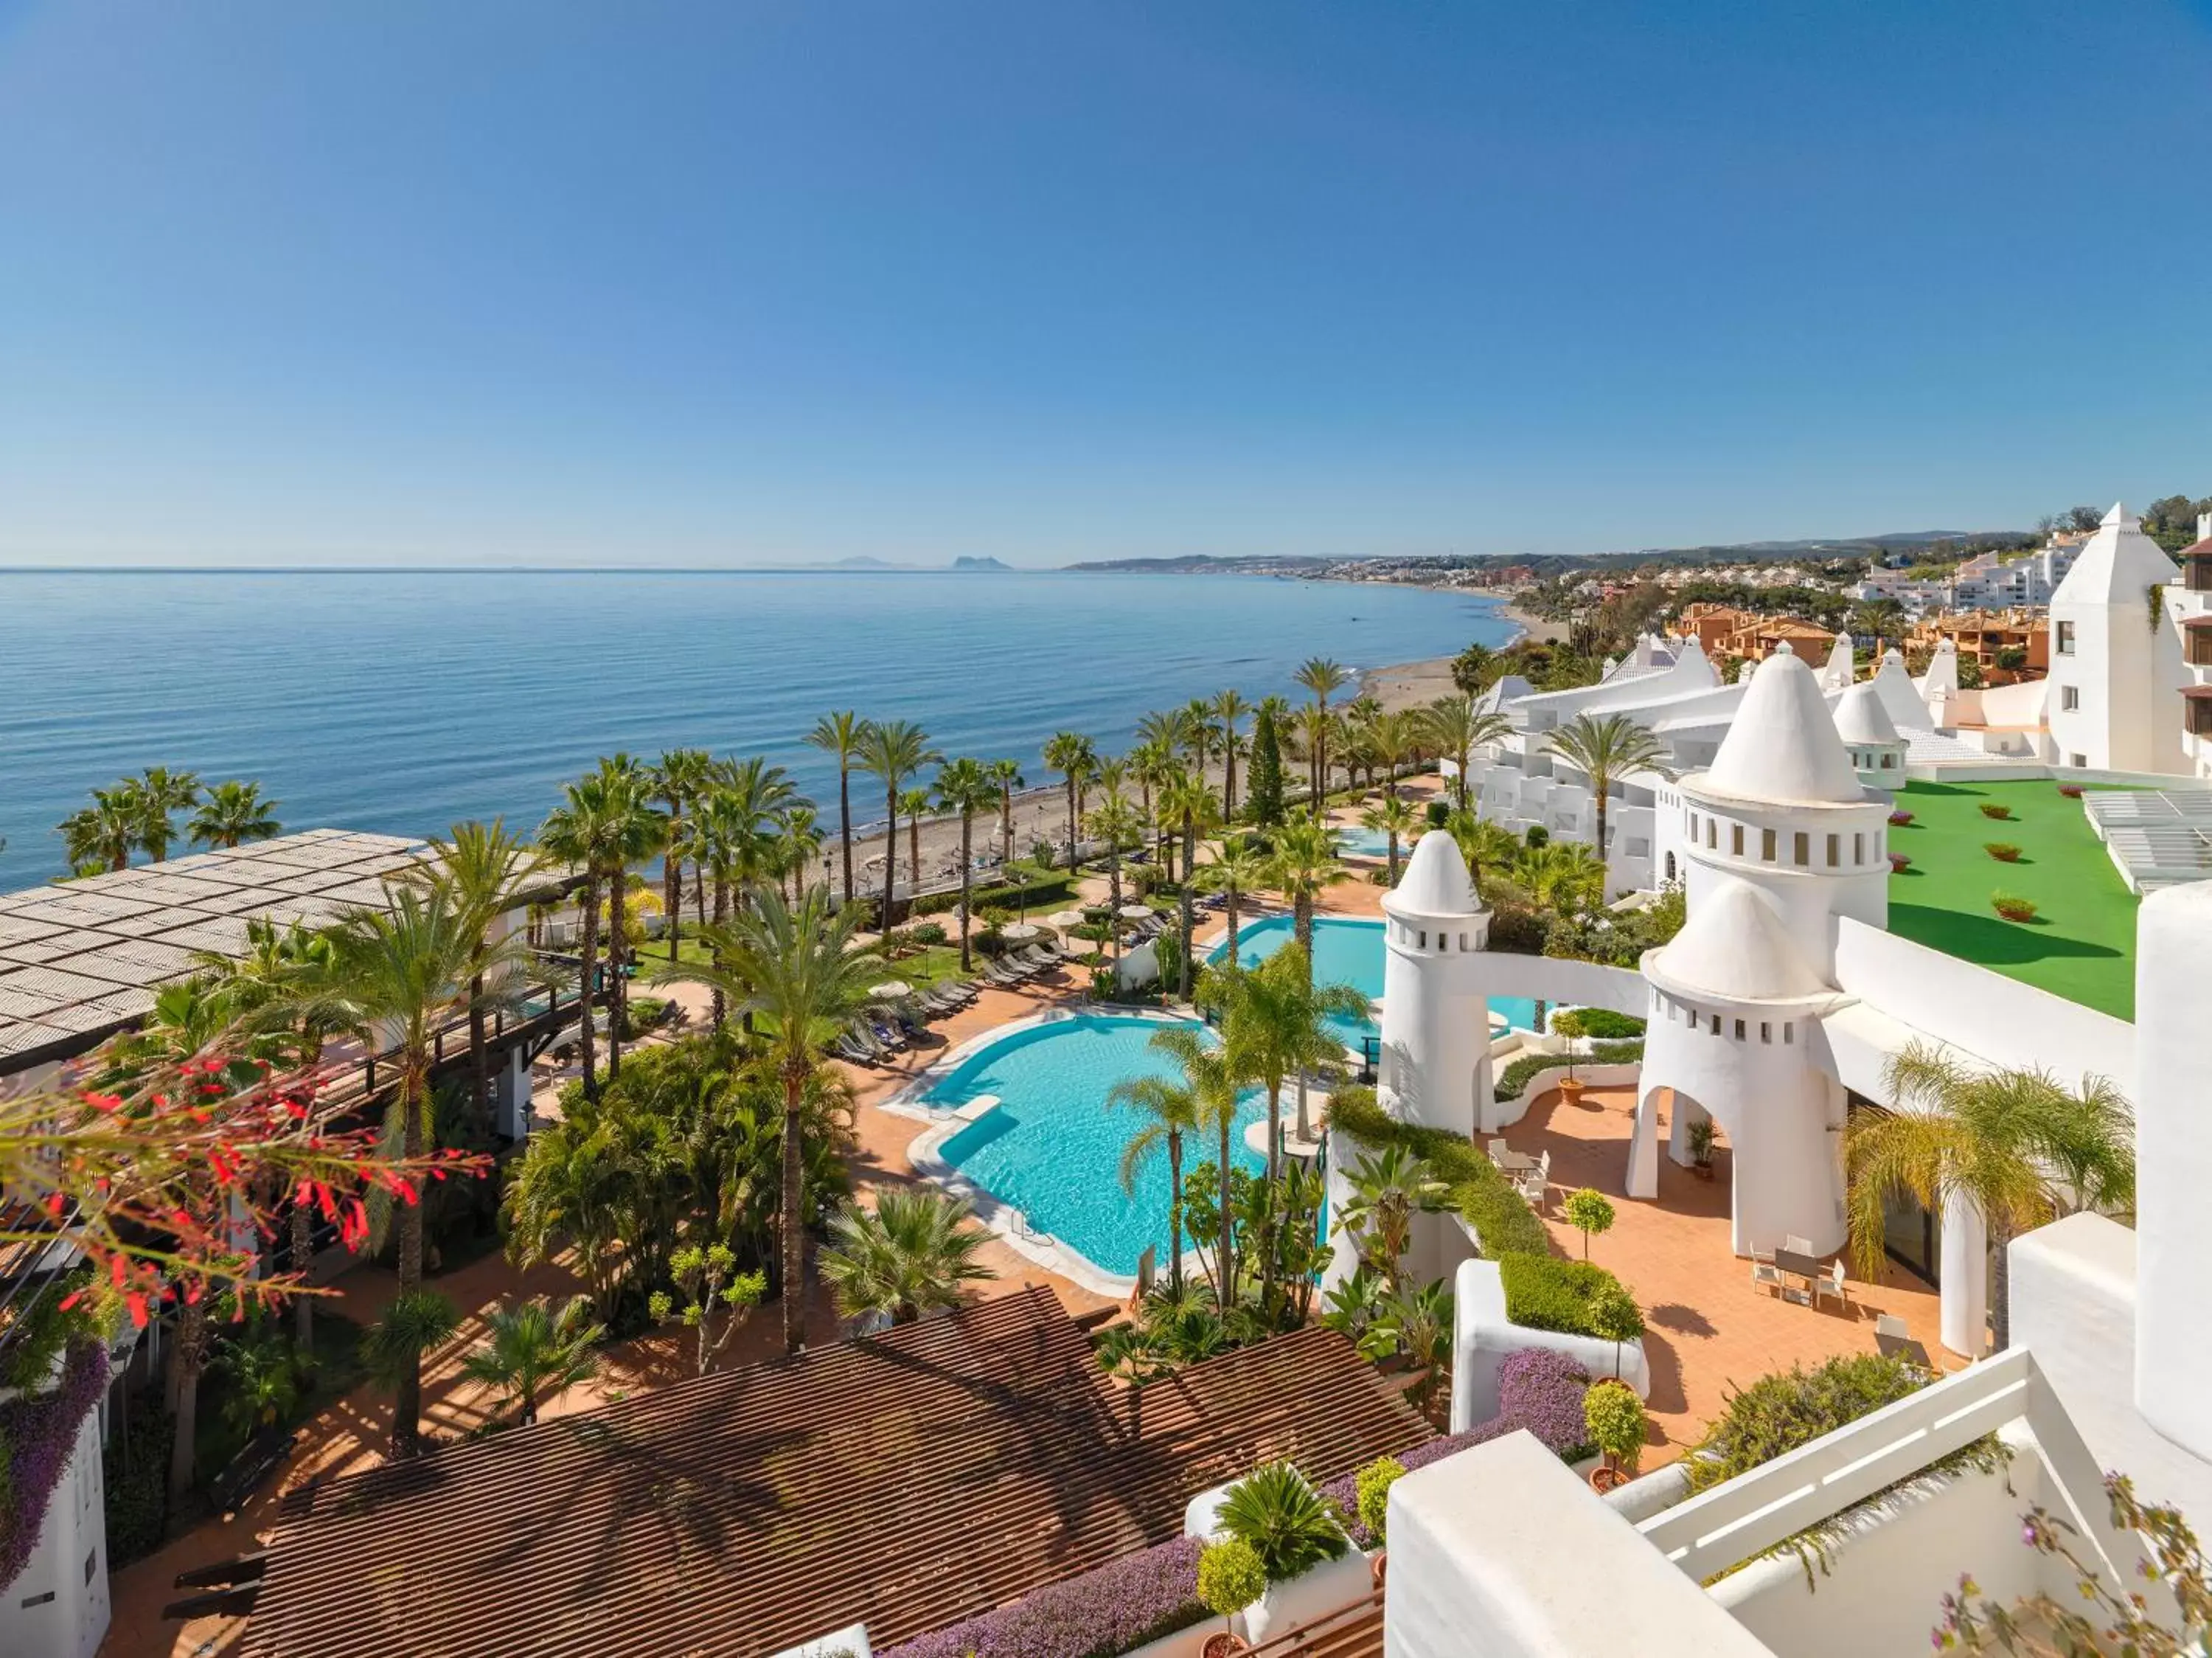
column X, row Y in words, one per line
column 906, row 1481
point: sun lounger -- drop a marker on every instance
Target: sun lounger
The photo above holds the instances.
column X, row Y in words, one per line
column 848, row 1047
column 999, row 972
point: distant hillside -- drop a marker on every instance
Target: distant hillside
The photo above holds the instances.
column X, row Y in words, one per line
column 979, row 564
column 1551, row 563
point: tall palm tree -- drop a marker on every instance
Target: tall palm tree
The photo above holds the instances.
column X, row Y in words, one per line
column 1237, row 867
column 1211, row 1091
column 842, row 734
column 1229, row 707
column 1071, row 755
column 1172, row 1109
column 393, row 977
column 793, row 967
column 161, row 792
column 797, row 839
column 536, row 1352
column 1607, row 746
column 1114, row 821
column 1391, row 738
column 892, row 752
column 636, row 830
column 103, row 834
column 1313, row 726
column 913, row 1255
column 680, row 777
column 578, row 833
column 392, row 1348
column 1304, row 862
column 1395, row 818
column 484, row 871
column 1187, row 799
column 1483, row 845
column 231, row 814
column 1199, row 733
column 1005, row 777
column 1561, row 875
column 966, row 787
column 1456, row 726
column 2017, row 1146
column 917, row 804
column 1152, row 762
column 1323, row 678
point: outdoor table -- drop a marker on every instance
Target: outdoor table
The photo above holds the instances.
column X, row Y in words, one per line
column 1807, row 1267
column 1902, row 1347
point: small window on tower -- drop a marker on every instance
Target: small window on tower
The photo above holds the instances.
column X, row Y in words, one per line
column 1716, row 1024
column 1424, row 940
column 1787, row 1038
column 1735, row 838
column 1767, row 839
column 1712, row 835
column 1858, row 848
column 1802, row 844
column 1765, row 1031
column 1835, row 850
column 1739, row 1030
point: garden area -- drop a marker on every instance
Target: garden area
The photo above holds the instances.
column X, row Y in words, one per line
column 1968, row 848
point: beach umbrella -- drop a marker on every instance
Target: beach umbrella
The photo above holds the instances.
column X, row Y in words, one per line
column 1062, row 920
column 891, row 990
column 1136, row 912
column 1021, row 932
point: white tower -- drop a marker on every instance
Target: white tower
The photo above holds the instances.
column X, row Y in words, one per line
column 1842, row 666
column 1436, row 1023
column 1870, row 737
column 2112, row 675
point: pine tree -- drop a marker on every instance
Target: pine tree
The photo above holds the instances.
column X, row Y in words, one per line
column 1264, row 791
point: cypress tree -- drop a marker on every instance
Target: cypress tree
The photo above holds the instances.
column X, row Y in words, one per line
column 1264, row 784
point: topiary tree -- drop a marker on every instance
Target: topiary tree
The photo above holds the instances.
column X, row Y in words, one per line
column 1263, row 798
column 1614, row 1317
column 1230, row 1577
column 1589, row 1212
column 1568, row 1023
column 1614, row 1416
column 1374, row 1481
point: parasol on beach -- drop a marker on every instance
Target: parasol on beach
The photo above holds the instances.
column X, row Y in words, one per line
column 1021, row 932
column 891, row 990
column 1136, row 912
column 1062, row 920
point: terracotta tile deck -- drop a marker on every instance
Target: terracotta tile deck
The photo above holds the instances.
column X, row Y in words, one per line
column 1708, row 1329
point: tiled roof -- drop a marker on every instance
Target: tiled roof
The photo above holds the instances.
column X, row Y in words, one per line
column 906, row 1481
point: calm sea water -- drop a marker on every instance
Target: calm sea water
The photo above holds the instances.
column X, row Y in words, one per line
column 403, row 702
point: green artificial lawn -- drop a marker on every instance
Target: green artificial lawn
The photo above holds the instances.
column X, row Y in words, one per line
column 2081, row 944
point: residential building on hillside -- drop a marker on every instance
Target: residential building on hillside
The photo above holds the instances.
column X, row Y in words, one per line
column 1723, row 631
column 2190, row 605
column 2007, row 645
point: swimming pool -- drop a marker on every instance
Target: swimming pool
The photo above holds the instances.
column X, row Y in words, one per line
column 1361, row 841
column 1053, row 1147
column 1349, row 951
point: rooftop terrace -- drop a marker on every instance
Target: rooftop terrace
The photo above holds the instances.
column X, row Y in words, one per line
column 2081, row 944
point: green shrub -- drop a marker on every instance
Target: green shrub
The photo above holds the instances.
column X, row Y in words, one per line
column 1439, row 813
column 1287, row 1522
column 1604, row 1025
column 136, row 1472
column 1514, row 1079
column 1484, row 1198
column 1615, row 1416
column 1046, row 890
column 1992, row 809
column 2002, row 851
column 1778, row 1413
column 2012, row 908
column 1591, row 1212
column 1543, row 1292
column 1374, row 1481
column 1230, row 1576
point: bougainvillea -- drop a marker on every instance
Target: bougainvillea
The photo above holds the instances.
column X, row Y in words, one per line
column 1119, row 1605
column 38, row 1431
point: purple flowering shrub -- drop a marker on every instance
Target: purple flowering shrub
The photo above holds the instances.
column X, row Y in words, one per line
column 1537, row 1389
column 1110, row 1610
column 37, row 1433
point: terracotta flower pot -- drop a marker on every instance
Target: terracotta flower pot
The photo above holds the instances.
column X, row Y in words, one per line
column 1702, row 1171
column 1570, row 1091
column 1603, row 1479
column 1375, row 1567
column 1221, row 1643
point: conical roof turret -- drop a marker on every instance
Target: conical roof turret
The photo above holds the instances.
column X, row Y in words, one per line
column 1783, row 744
column 1435, row 883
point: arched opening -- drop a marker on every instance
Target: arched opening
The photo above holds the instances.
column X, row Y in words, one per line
column 1670, row 866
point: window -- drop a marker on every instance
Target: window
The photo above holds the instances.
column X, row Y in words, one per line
column 1858, row 848
column 1716, row 1024
column 1889, row 762
column 1694, row 828
column 1462, row 941
column 1424, row 940
column 1785, row 1034
column 2078, row 761
column 1670, row 866
column 2066, row 638
column 2069, row 698
column 1712, row 834
column 1767, row 839
column 1835, row 850
column 1802, row 844
column 1766, row 1032
column 1735, row 838
column 1739, row 1030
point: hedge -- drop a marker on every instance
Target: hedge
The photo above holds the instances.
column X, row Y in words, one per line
column 1123, row 1604
column 1603, row 1024
column 1044, row 891
column 1514, row 1077
column 1484, row 1198
column 1543, row 1292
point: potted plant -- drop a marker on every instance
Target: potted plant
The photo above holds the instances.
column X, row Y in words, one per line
column 1701, row 1137
column 1230, row 1579
column 1373, row 1488
column 1570, row 1026
column 1614, row 1416
column 1589, row 1212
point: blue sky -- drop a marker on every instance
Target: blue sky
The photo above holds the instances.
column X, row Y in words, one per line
column 718, row 281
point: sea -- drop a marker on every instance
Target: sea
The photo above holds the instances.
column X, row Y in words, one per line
column 404, row 701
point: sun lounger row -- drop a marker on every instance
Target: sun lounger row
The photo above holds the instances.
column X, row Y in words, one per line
column 1020, row 967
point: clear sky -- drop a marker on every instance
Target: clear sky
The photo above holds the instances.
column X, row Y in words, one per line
column 707, row 281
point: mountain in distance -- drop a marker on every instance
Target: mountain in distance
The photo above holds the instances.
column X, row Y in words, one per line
column 965, row 562
column 1851, row 547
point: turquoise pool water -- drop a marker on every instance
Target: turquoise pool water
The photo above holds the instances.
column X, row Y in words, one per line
column 1053, row 1148
column 1349, row 951
column 1364, row 843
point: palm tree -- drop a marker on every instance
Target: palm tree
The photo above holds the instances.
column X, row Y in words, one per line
column 916, row 804
column 1305, row 861
column 103, row 835
column 1561, row 875
column 161, row 792
column 1391, row 738
column 1211, row 1090
column 393, row 977
column 842, row 734
column 1115, row 822
column 912, row 1256
column 792, row 966
column 2016, row 1147
column 605, row 823
column 536, row 1353
column 797, row 840
column 1151, row 763
column 1229, row 707
column 1607, row 746
column 637, row 831
column 1483, row 845
column 1172, row 1110
column 1387, row 1189
column 1237, row 867
column 1395, row 818
column 392, row 1348
column 966, row 787
column 681, row 776
column 1186, row 800
column 233, row 813
column 894, row 751
column 1312, row 726
column 1071, row 755
column 1005, row 777
column 1199, row 733
column 1456, row 726
column 484, row 871
column 1324, row 679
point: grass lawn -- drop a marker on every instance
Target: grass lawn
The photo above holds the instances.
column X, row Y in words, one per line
column 2081, row 944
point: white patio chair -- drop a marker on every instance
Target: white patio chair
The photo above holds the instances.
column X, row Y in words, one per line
column 1888, row 1324
column 1831, row 1282
column 1769, row 1275
column 1798, row 1245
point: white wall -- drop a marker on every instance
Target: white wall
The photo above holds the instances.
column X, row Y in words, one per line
column 1483, row 1339
column 66, row 1577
